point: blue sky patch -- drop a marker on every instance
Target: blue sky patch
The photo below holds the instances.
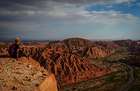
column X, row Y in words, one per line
column 126, row 8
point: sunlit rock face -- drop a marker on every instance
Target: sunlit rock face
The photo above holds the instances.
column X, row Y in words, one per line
column 25, row 74
column 97, row 52
column 68, row 64
column 70, row 68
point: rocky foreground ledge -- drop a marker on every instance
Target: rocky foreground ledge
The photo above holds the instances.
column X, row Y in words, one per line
column 25, row 74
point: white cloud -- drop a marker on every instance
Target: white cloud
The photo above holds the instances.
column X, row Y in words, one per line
column 71, row 13
column 113, row 17
column 124, row 1
column 93, row 1
column 17, row 12
column 66, row 16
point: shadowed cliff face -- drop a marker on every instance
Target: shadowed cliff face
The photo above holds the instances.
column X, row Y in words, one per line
column 90, row 49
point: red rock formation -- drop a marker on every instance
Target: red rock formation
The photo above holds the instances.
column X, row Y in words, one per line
column 74, row 43
column 25, row 75
column 70, row 68
column 97, row 52
column 68, row 59
column 86, row 48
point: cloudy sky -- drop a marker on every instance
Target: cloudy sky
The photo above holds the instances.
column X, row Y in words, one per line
column 60, row 19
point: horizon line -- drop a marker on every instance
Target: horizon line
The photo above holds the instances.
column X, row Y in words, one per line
column 24, row 40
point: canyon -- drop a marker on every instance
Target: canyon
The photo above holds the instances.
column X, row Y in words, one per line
column 73, row 60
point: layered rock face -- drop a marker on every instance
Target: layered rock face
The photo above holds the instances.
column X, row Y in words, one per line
column 89, row 49
column 70, row 68
column 25, row 74
column 97, row 52
column 77, row 43
column 68, row 59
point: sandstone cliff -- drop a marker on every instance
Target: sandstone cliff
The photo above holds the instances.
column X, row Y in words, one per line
column 68, row 59
column 68, row 67
column 25, row 74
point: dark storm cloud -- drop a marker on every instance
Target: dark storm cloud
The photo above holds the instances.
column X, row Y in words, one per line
column 31, row 2
column 34, row 4
column 30, row 7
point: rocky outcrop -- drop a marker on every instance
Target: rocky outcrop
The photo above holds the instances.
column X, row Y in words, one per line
column 90, row 49
column 98, row 52
column 3, row 52
column 25, row 74
column 74, row 43
column 69, row 68
column 68, row 59
column 3, row 49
